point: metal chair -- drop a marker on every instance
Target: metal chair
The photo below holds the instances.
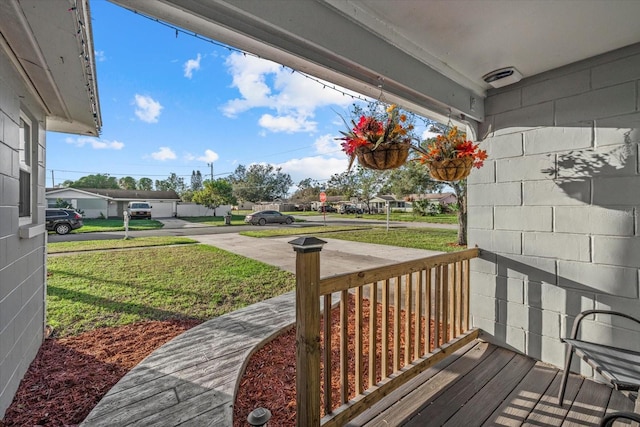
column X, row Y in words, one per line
column 620, row 367
column 608, row 420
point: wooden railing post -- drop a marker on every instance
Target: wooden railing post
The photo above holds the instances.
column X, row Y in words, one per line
column 307, row 330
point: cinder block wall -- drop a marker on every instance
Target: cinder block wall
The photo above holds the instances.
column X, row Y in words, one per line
column 22, row 260
column 555, row 209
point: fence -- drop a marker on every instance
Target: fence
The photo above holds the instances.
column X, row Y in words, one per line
column 391, row 324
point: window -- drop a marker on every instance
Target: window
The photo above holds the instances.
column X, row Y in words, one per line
column 25, row 151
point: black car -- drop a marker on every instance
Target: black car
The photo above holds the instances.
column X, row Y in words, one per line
column 327, row 208
column 62, row 221
column 268, row 217
column 350, row 209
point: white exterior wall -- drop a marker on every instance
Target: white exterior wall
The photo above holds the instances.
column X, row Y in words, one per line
column 555, row 208
column 22, row 249
column 194, row 209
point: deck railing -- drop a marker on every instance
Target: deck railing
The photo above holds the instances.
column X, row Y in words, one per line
column 404, row 318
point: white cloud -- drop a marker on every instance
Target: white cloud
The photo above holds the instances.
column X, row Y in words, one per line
column 147, row 109
column 317, row 168
column 165, row 153
column 327, row 144
column 100, row 56
column 428, row 134
column 191, row 65
column 294, row 97
column 288, row 124
column 95, row 143
column 209, row 156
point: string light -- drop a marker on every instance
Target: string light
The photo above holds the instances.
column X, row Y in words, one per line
column 82, row 38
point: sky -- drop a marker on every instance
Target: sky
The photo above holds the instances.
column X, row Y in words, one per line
column 175, row 103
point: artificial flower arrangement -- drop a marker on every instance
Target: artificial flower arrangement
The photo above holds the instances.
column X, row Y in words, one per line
column 378, row 142
column 450, row 156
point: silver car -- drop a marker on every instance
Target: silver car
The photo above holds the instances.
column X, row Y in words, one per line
column 268, row 217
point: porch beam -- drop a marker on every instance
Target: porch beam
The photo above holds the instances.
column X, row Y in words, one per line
column 316, row 38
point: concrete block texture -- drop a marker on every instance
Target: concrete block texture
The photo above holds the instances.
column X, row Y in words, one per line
column 614, row 160
column 619, row 130
column 486, row 174
column 504, row 194
column 507, row 242
column 502, row 288
column 620, row 71
column 504, row 146
column 527, row 268
column 616, row 191
column 606, row 102
column 526, row 218
column 569, row 192
column 532, row 116
column 613, row 221
column 550, row 140
column 533, row 319
column 556, row 87
column 527, row 168
column 572, row 247
column 618, row 251
column 477, row 217
column 504, row 101
column 598, row 278
column 556, row 299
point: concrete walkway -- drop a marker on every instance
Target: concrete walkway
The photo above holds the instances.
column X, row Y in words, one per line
column 192, row 380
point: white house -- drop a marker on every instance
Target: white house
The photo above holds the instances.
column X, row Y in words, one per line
column 47, row 83
column 107, row 202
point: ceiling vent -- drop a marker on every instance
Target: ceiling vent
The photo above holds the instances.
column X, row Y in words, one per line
column 502, row 77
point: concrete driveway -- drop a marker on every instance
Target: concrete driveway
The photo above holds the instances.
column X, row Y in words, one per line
column 337, row 256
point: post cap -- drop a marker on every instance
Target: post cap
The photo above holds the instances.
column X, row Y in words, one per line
column 259, row 417
column 307, row 244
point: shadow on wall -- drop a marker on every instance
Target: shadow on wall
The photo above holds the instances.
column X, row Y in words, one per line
column 575, row 172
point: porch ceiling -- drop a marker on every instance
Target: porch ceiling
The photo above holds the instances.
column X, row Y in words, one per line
column 50, row 44
column 428, row 55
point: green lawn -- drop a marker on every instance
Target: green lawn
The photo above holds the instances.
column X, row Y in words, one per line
column 236, row 219
column 95, row 225
column 137, row 242
column 90, row 290
column 435, row 239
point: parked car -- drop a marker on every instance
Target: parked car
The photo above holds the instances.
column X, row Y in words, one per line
column 268, row 217
column 139, row 210
column 327, row 209
column 350, row 209
column 62, row 221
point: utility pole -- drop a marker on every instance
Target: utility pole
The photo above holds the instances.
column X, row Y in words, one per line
column 53, row 181
column 211, row 166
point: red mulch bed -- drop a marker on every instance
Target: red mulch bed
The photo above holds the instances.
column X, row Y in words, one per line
column 269, row 380
column 69, row 376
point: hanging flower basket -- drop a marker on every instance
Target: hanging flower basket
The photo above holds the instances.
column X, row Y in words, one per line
column 450, row 169
column 385, row 156
column 379, row 141
column 450, row 156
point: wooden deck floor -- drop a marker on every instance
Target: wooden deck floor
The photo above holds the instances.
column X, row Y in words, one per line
column 486, row 385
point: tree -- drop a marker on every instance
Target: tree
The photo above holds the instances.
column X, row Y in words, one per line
column 308, row 190
column 145, row 184
column 369, row 183
column 196, row 181
column 342, row 184
column 173, row 182
column 96, row 181
column 215, row 194
column 412, row 178
column 260, row 183
column 127, row 183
